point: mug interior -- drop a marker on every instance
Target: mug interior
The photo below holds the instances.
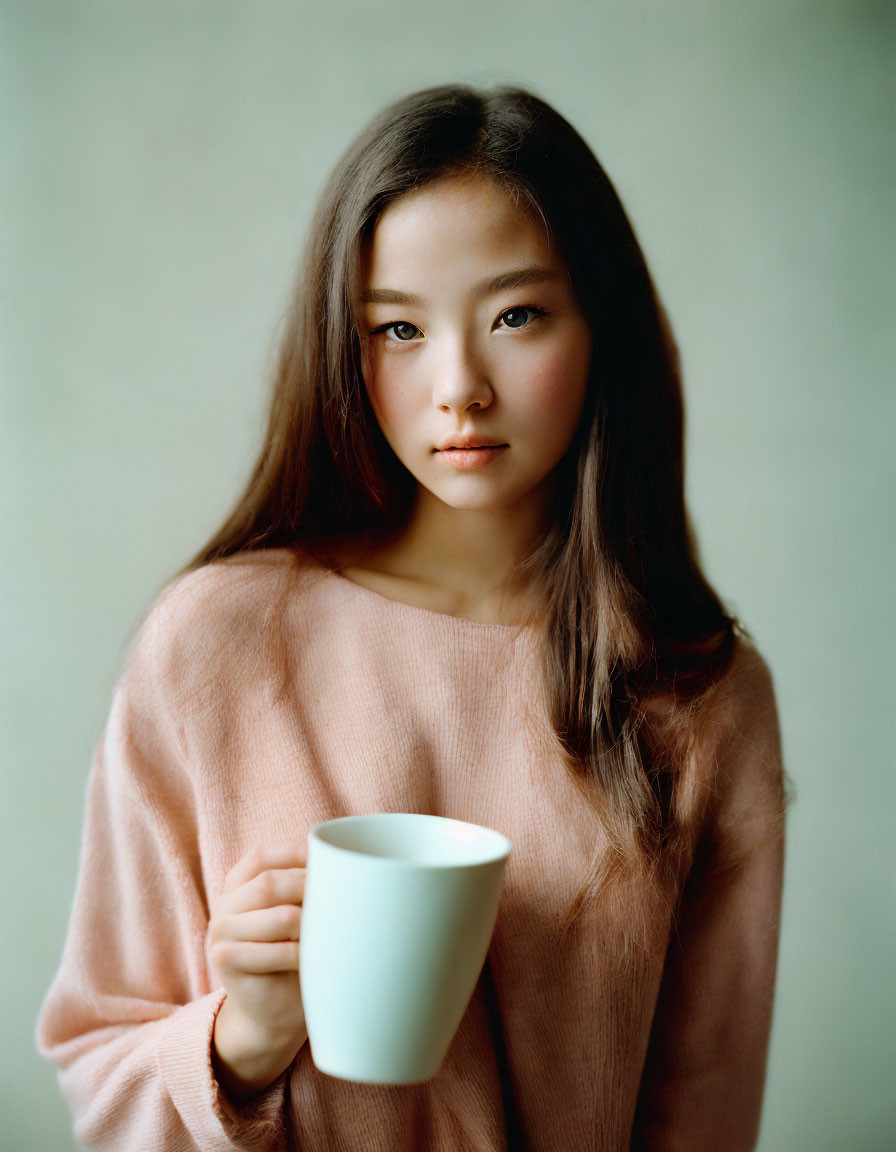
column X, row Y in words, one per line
column 414, row 837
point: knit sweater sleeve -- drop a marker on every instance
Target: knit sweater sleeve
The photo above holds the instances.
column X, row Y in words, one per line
column 703, row 1080
column 128, row 1019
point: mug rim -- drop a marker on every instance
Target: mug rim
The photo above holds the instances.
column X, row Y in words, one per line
column 488, row 838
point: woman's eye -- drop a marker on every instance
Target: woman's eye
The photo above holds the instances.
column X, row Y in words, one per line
column 402, row 337
column 516, row 317
column 403, row 332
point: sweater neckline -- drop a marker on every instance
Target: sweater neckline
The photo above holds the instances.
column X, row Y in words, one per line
column 461, row 623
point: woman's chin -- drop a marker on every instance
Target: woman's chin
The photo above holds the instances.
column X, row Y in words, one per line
column 472, row 501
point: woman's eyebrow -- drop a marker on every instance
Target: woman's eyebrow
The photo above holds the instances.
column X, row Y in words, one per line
column 503, row 283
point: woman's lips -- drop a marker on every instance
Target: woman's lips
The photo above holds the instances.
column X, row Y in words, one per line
column 471, row 457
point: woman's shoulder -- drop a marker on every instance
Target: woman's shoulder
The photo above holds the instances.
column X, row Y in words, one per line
column 219, row 611
column 743, row 685
column 233, row 583
column 745, row 736
column 226, row 591
column 733, row 737
column 744, row 698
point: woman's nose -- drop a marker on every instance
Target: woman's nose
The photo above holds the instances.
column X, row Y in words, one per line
column 462, row 380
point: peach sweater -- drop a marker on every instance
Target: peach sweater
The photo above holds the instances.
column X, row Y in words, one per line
column 263, row 694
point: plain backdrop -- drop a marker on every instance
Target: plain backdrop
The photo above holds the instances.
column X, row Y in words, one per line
column 159, row 166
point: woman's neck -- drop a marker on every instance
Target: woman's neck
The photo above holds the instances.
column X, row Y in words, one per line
column 469, row 553
column 458, row 561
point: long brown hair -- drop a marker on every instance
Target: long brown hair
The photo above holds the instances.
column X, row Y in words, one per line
column 634, row 637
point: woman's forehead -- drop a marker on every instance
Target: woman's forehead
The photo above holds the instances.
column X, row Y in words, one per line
column 458, row 226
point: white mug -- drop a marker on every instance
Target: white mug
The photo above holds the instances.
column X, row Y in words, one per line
column 397, row 916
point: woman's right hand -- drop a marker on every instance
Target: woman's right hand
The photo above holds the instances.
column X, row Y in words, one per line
column 252, row 943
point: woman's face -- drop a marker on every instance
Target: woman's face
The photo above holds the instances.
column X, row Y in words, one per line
column 471, row 330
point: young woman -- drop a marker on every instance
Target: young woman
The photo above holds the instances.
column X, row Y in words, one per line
column 461, row 581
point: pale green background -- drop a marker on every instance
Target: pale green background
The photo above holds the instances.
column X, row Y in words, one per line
column 159, row 163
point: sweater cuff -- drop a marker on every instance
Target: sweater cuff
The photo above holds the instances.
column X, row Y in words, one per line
column 185, row 1063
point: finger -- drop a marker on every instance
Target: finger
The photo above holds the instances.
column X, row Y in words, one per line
column 254, row 958
column 280, row 923
column 268, row 889
column 293, row 853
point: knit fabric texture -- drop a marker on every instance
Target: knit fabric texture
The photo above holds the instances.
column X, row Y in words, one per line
column 265, row 693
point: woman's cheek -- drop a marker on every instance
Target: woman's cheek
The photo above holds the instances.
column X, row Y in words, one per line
column 390, row 399
column 555, row 385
